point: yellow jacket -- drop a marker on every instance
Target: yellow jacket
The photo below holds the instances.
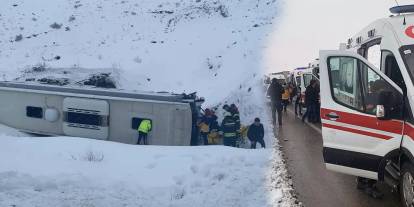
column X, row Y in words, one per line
column 145, row 126
column 204, row 127
column 286, row 95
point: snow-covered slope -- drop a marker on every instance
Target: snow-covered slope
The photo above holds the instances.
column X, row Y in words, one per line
column 208, row 46
column 213, row 47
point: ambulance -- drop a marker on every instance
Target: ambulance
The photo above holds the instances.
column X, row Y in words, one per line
column 301, row 77
column 367, row 103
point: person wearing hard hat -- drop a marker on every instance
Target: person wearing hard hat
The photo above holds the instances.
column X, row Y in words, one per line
column 229, row 130
column 144, row 128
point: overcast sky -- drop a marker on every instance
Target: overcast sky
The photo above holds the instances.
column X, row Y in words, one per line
column 306, row 26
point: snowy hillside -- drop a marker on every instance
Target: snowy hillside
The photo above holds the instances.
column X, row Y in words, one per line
column 208, row 46
column 213, row 47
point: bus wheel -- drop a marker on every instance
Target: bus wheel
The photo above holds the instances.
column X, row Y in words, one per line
column 407, row 185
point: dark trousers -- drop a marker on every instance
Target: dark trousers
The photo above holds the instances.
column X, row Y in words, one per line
column 229, row 141
column 285, row 103
column 204, row 136
column 261, row 141
column 143, row 136
column 310, row 113
column 277, row 107
column 298, row 105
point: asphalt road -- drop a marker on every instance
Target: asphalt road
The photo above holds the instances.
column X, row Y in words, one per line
column 316, row 186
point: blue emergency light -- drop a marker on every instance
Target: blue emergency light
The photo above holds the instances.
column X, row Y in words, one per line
column 402, row 9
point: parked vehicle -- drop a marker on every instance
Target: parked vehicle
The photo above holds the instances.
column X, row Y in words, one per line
column 301, row 77
column 367, row 111
column 112, row 115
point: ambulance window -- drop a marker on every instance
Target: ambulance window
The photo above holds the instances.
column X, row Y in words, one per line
column 345, row 85
column 373, row 86
column 392, row 70
column 307, row 79
column 356, row 85
column 298, row 81
column 374, row 55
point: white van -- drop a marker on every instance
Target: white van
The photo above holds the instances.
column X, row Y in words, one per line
column 301, row 77
column 367, row 103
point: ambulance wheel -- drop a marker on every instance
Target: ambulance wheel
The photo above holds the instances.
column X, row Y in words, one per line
column 407, row 185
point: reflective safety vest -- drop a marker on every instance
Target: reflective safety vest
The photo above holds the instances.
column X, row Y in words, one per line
column 145, row 126
column 229, row 127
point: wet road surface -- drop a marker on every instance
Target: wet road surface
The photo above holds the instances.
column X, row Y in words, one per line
column 316, row 186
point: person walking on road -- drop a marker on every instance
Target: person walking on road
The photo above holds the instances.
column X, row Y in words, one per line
column 298, row 104
column 275, row 92
column 256, row 134
column 285, row 98
column 311, row 101
column 144, row 128
column 229, row 130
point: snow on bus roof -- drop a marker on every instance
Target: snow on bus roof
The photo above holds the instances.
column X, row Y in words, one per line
column 117, row 93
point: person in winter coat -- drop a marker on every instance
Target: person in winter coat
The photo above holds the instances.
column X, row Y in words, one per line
column 144, row 128
column 311, row 102
column 285, row 98
column 235, row 113
column 229, row 130
column 226, row 108
column 204, row 130
column 207, row 123
column 256, row 134
column 298, row 104
column 275, row 92
column 236, row 116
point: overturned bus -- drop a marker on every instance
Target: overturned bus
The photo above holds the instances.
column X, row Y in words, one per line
column 112, row 115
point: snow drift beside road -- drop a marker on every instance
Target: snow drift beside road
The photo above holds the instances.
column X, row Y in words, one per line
column 56, row 172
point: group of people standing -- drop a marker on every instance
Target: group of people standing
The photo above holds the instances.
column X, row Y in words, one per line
column 282, row 95
column 229, row 129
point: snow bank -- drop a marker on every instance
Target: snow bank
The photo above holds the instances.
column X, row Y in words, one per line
column 56, row 172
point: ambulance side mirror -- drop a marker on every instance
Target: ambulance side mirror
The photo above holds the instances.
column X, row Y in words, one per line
column 380, row 112
column 388, row 106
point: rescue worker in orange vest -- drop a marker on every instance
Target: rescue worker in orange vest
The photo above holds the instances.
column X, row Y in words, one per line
column 144, row 128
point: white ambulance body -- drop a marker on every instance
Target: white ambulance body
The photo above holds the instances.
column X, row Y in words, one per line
column 367, row 106
column 302, row 77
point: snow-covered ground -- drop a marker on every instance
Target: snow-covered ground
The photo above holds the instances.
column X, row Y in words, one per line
column 213, row 47
column 64, row 171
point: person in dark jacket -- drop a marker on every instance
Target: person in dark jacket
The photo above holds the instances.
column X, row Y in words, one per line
column 229, row 130
column 235, row 113
column 236, row 116
column 298, row 104
column 311, row 102
column 275, row 92
column 256, row 134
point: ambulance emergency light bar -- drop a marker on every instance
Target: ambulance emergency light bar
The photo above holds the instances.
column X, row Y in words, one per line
column 402, row 9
